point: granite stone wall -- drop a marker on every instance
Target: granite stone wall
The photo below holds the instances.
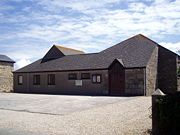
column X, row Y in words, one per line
column 62, row 84
column 134, row 81
column 6, row 77
column 151, row 73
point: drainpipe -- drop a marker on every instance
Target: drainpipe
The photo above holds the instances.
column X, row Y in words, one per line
column 28, row 82
column 144, row 81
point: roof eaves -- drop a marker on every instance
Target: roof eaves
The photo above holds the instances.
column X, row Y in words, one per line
column 92, row 69
column 7, row 61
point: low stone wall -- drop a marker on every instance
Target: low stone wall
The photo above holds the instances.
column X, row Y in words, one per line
column 6, row 77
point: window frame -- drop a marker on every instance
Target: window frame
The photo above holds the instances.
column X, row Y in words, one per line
column 97, row 75
column 20, row 83
column 72, row 78
column 85, row 78
column 49, row 81
column 35, row 80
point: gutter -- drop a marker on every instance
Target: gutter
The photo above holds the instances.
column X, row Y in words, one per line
column 73, row 70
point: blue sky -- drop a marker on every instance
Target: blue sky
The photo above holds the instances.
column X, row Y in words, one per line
column 28, row 28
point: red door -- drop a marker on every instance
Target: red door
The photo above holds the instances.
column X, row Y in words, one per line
column 116, row 79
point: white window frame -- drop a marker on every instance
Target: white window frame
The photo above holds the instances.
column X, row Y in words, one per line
column 96, row 78
column 20, row 79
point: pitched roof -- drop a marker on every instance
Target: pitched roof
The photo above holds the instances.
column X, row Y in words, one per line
column 58, row 51
column 68, row 51
column 133, row 52
column 4, row 58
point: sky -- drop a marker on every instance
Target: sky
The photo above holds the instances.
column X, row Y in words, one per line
column 28, row 28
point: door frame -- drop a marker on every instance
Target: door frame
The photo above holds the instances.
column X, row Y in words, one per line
column 121, row 67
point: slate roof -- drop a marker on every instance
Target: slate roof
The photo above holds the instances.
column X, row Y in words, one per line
column 133, row 52
column 4, row 58
column 68, row 51
column 58, row 51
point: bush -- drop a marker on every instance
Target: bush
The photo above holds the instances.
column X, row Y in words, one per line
column 169, row 114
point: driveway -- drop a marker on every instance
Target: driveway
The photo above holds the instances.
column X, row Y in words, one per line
column 32, row 114
column 54, row 104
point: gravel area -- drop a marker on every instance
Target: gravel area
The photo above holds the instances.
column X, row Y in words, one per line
column 54, row 104
column 123, row 115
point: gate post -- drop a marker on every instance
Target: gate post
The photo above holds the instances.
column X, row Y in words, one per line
column 155, row 118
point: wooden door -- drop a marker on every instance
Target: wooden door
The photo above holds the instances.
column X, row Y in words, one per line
column 116, row 79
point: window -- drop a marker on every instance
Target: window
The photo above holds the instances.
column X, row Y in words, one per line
column 51, row 79
column 96, row 78
column 20, row 79
column 85, row 76
column 72, row 76
column 36, row 79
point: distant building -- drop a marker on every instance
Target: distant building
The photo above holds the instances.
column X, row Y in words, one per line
column 136, row 66
column 6, row 75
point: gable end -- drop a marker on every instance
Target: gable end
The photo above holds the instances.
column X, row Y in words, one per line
column 53, row 53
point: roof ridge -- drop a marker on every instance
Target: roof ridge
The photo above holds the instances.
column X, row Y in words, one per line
column 138, row 35
column 63, row 47
column 88, row 53
column 156, row 43
column 146, row 38
column 82, row 54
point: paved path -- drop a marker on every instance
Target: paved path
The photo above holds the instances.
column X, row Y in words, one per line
column 64, row 115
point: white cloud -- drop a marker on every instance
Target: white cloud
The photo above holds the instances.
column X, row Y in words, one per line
column 78, row 5
column 23, row 53
column 88, row 25
column 149, row 20
column 21, row 63
column 175, row 47
column 5, row 7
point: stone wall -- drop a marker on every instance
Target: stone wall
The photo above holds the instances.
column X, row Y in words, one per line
column 62, row 84
column 167, row 70
column 134, row 81
column 151, row 73
column 6, row 77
